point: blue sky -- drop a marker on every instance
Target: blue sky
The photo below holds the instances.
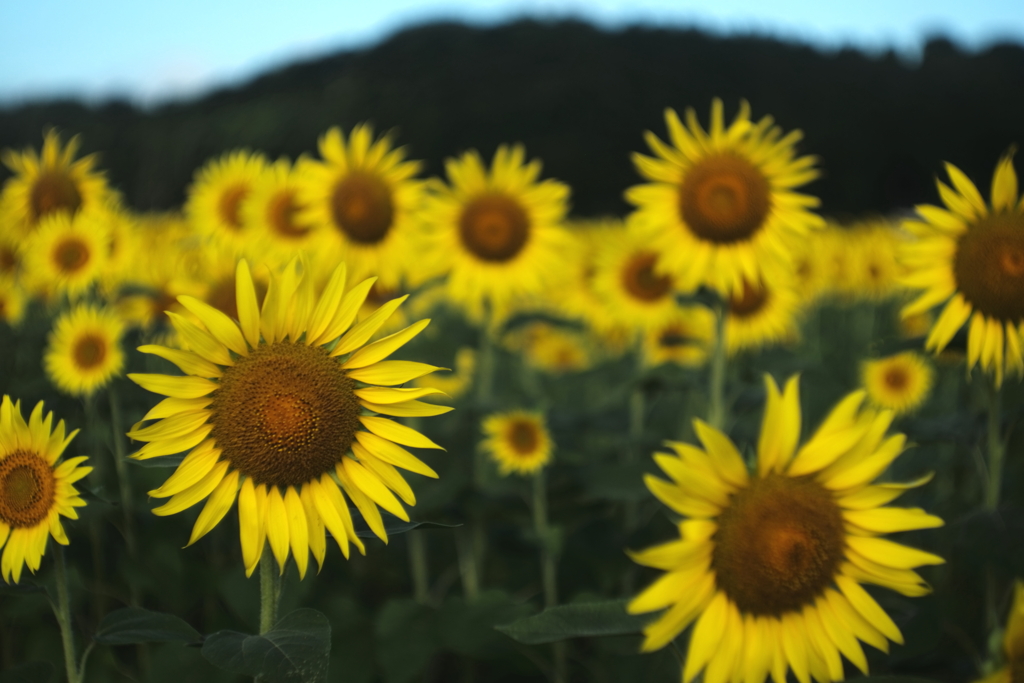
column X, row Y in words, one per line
column 150, row 52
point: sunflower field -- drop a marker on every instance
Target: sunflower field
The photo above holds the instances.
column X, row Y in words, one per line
column 333, row 419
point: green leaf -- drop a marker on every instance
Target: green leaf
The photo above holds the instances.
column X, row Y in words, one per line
column 893, row 679
column 29, row 672
column 605, row 618
column 133, row 625
column 296, row 650
column 24, row 587
column 162, row 461
column 392, row 525
column 407, row 639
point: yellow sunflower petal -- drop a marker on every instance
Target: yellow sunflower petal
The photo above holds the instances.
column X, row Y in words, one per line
column 394, row 454
column 219, row 325
column 176, row 387
column 398, row 433
column 195, row 493
column 298, row 531
column 367, row 482
column 392, row 372
column 362, row 331
column 381, row 349
column 217, row 505
column 247, row 304
column 277, row 526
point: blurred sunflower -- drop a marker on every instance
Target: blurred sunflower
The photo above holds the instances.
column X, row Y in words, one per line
column 900, row 383
column 762, row 315
column 518, row 441
column 635, row 294
column 12, row 302
column 83, row 352
column 272, row 213
column 35, row 489
column 274, row 410
column 554, row 349
column 769, row 564
column 214, row 204
column 498, row 234
column 970, row 258
column 11, row 259
column 65, row 255
column 1013, row 641
column 721, row 203
column 579, row 299
column 364, row 195
column 810, row 269
column 683, row 339
column 51, row 183
column 874, row 250
column 457, row 381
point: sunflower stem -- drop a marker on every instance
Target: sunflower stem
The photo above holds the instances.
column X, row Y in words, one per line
column 716, row 386
column 270, row 591
column 637, row 411
column 62, row 611
column 996, row 448
column 485, row 367
column 548, row 562
column 418, row 566
column 467, row 563
column 124, row 485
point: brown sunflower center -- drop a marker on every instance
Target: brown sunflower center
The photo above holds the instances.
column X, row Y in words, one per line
column 230, row 205
column 641, row 281
column 724, row 198
column 523, row 437
column 674, row 337
column 1016, row 667
column 989, row 266
column 9, row 260
column 362, row 207
column 53, row 191
column 896, row 378
column 779, row 544
column 89, row 351
column 494, row 227
column 27, row 488
column 282, row 215
column 749, row 302
column 285, row 414
column 70, row 254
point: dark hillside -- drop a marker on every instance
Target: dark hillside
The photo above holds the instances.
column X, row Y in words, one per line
column 579, row 98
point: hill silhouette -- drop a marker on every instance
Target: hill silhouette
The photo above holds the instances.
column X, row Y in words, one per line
column 579, row 98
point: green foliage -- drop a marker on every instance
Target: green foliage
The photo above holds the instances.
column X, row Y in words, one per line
column 134, row 625
column 606, row 618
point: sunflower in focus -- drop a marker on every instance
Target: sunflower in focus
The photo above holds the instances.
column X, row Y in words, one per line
column 51, row 183
column 720, row 203
column 635, row 294
column 498, row 234
column 365, row 196
column 969, row 257
column 762, row 315
column 65, row 255
column 83, row 352
column 1013, row 641
column 900, row 383
column 218, row 191
column 272, row 213
column 518, row 441
column 283, row 411
column 35, row 488
column 683, row 339
column 769, row 565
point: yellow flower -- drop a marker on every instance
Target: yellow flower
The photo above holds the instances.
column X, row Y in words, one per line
column 455, row 383
column 363, row 195
column 683, row 339
column 1013, row 641
column 634, row 293
column 12, row 302
column 900, row 383
column 970, row 258
column 551, row 348
column 518, row 441
column 272, row 213
column 579, row 298
column 762, row 315
column 67, row 255
column 50, row 183
column 721, row 203
column 282, row 410
column 215, row 198
column 811, row 263
column 35, row 488
column 498, row 234
column 83, row 352
column 874, row 250
column 769, row 563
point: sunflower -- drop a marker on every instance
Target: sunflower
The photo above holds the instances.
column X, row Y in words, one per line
column 769, row 564
column 874, row 248
column 810, row 268
column 272, row 213
column 900, row 383
column 83, row 352
column 453, row 384
column 34, row 489
column 498, row 234
column 762, row 315
column 1013, row 641
column 554, row 349
column 365, row 196
column 12, row 302
column 214, row 204
column 635, row 294
column 579, row 299
column 283, row 411
column 721, row 202
column 51, row 183
column 684, row 339
column 518, row 441
column 67, row 255
column 970, row 257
